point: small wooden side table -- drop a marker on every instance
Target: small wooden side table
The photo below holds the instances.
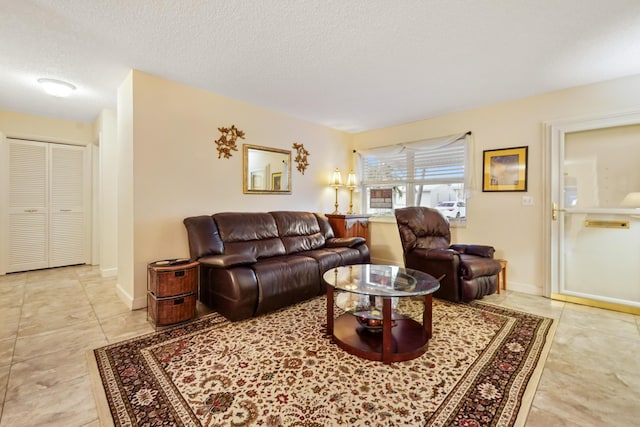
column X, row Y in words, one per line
column 502, row 276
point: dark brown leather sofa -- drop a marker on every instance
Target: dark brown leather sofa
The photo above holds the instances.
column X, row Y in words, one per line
column 468, row 271
column 255, row 262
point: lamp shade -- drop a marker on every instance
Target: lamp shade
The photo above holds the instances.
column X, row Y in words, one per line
column 351, row 180
column 631, row 200
column 336, row 179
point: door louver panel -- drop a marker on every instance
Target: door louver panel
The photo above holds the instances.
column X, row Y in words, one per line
column 66, row 178
column 66, row 246
column 27, row 176
column 28, row 243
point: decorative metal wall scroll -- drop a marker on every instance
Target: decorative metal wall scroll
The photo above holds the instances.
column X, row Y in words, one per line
column 301, row 157
column 227, row 141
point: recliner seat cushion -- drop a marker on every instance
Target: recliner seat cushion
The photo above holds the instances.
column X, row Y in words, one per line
column 472, row 266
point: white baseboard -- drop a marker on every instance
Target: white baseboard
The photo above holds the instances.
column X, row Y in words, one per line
column 132, row 303
column 139, row 303
column 109, row 272
column 525, row 288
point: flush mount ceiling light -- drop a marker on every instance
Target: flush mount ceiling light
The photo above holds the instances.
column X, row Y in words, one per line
column 56, row 87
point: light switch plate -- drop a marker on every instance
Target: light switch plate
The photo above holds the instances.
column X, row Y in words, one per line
column 527, row 201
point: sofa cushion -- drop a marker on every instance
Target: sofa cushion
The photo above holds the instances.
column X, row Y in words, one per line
column 285, row 280
column 325, row 226
column 251, row 233
column 326, row 259
column 350, row 255
column 204, row 237
column 299, row 231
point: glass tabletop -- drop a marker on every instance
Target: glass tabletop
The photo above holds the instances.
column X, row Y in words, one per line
column 381, row 280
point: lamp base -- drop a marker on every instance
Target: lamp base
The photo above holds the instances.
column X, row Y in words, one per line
column 350, row 211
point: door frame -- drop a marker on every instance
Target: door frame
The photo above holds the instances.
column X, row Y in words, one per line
column 553, row 134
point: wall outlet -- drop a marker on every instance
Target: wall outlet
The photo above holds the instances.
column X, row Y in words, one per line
column 527, row 201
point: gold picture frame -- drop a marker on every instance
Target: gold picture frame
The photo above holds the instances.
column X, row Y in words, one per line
column 505, row 169
column 276, row 181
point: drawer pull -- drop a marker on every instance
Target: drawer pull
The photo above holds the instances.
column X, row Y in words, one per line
column 179, row 273
column 178, row 301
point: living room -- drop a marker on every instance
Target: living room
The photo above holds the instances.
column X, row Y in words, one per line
column 174, row 153
column 159, row 164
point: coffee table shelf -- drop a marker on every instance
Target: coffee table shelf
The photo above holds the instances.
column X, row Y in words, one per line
column 409, row 339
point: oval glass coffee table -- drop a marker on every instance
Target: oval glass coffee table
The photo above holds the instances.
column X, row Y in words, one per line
column 371, row 327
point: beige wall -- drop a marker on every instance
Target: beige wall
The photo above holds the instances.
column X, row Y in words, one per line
column 26, row 126
column 170, row 168
column 499, row 219
column 106, row 133
column 124, row 179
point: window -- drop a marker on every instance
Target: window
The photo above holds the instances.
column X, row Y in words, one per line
column 427, row 173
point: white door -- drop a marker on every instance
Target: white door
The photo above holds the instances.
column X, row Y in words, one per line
column 69, row 184
column 595, row 224
column 28, row 202
column 48, row 193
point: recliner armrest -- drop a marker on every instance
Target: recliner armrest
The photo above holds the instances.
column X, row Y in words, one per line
column 477, row 250
column 226, row 261
column 435, row 253
column 345, row 242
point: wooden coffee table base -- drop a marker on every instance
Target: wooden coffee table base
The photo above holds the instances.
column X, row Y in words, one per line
column 405, row 340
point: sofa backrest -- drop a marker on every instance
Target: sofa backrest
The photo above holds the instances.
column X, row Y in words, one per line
column 259, row 234
column 422, row 227
column 252, row 233
column 203, row 235
column 299, row 231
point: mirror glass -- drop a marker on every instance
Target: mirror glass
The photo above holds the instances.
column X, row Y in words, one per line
column 266, row 170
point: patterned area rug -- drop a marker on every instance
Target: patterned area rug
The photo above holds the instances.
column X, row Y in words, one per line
column 481, row 369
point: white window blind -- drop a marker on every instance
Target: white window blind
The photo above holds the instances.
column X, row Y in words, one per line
column 429, row 162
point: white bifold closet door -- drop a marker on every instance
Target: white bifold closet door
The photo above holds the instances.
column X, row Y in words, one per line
column 48, row 213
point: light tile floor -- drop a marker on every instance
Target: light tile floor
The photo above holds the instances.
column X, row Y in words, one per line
column 50, row 318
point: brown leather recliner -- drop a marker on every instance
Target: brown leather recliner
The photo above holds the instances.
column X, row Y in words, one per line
column 469, row 271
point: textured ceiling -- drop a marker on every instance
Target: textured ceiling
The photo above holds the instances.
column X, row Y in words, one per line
column 348, row 64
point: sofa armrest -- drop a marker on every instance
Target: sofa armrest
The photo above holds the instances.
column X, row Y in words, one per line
column 226, row 261
column 345, row 242
column 483, row 251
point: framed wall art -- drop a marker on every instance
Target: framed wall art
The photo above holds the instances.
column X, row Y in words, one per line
column 276, row 181
column 505, row 169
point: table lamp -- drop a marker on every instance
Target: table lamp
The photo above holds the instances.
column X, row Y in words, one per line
column 336, row 182
column 351, row 184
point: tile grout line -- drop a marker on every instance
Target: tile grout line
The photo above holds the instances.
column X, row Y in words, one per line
column 13, row 350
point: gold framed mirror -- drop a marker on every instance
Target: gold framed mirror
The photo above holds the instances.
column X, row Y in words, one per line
column 266, row 170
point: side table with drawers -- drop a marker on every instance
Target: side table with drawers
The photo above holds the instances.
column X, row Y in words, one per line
column 172, row 288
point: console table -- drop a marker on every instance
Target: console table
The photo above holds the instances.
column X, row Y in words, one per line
column 379, row 333
column 350, row 225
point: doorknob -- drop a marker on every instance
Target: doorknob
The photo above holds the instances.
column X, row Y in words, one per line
column 555, row 210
